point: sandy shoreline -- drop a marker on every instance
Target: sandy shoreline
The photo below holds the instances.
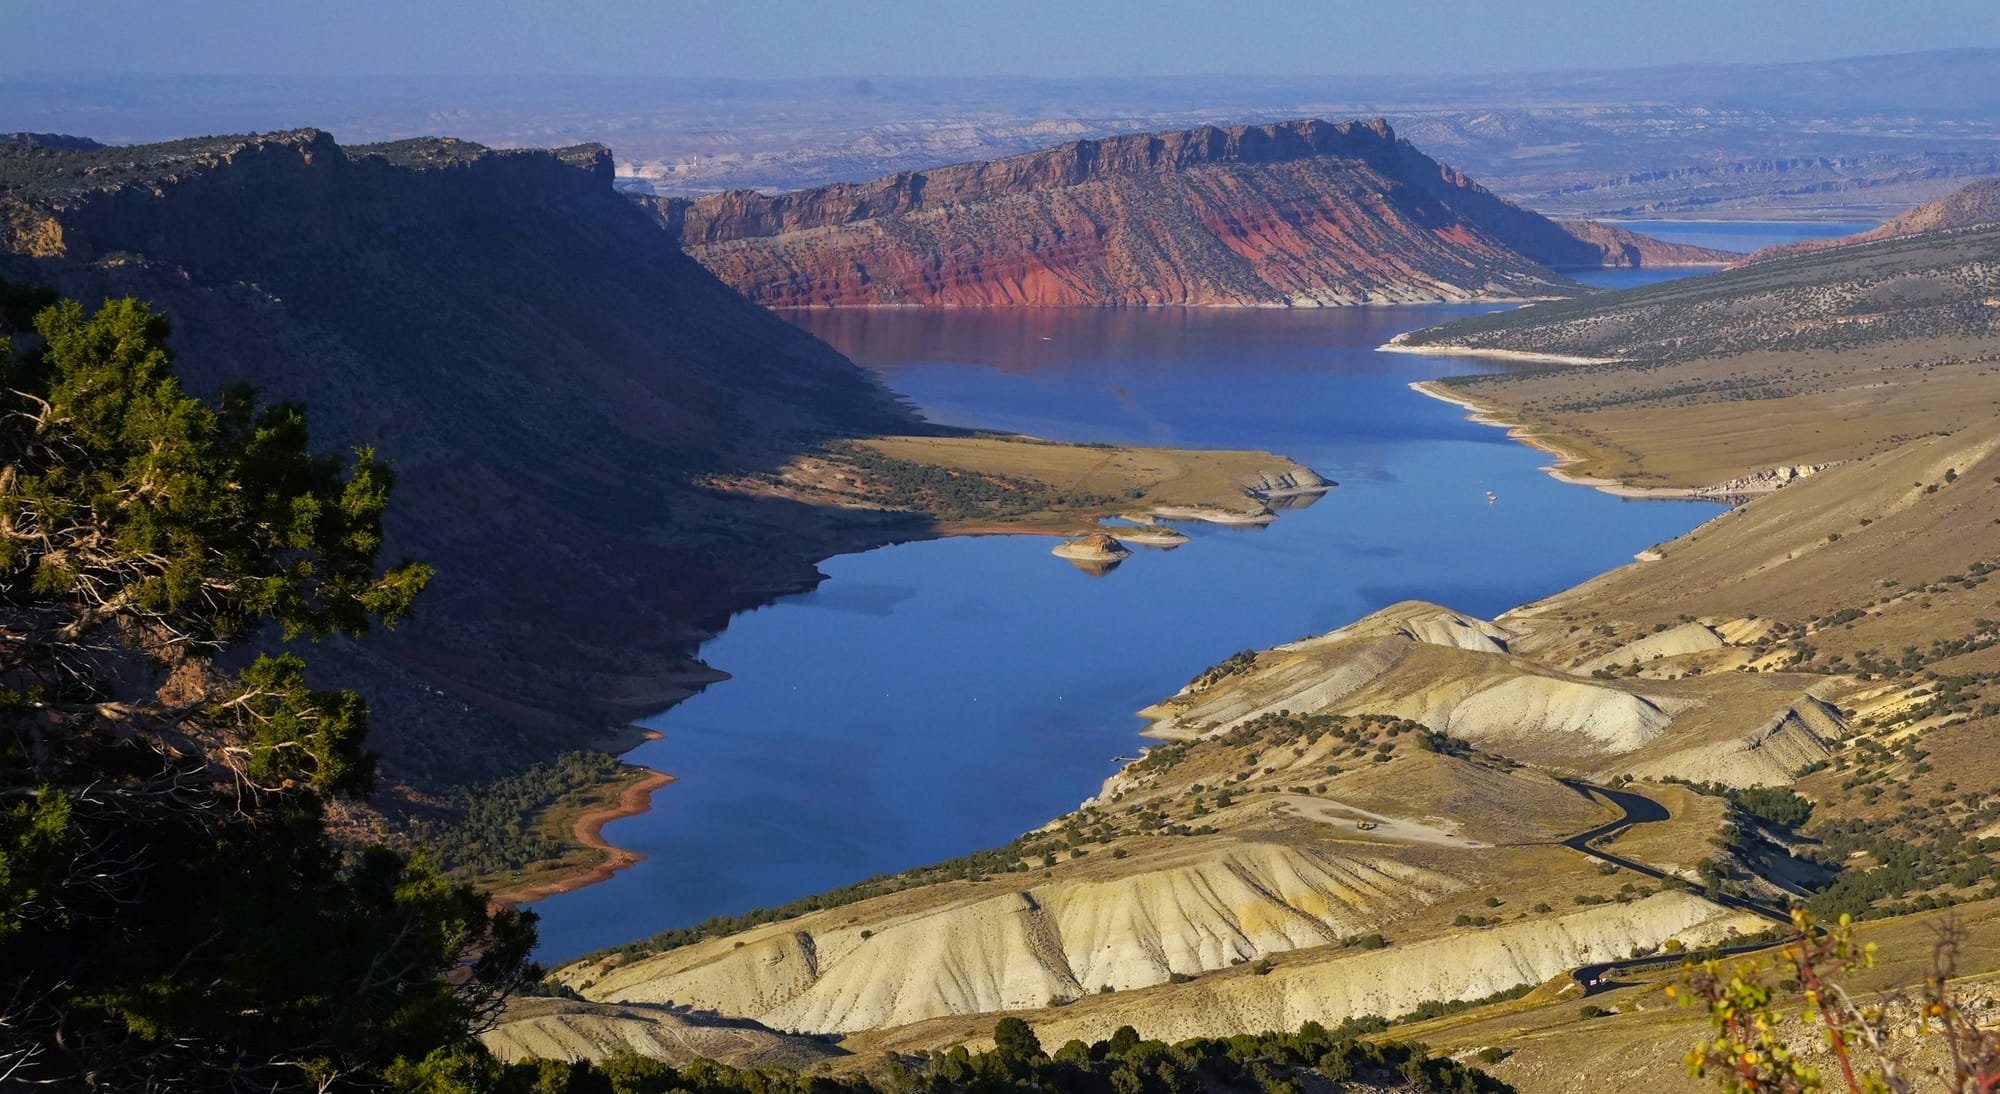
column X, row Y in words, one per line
column 588, row 832
column 1396, row 345
column 1516, row 431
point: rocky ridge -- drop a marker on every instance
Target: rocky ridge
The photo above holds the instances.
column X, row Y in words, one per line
column 1761, row 482
column 1302, row 213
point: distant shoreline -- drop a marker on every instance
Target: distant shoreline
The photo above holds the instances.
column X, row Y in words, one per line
column 1851, row 218
column 1183, row 305
column 1397, row 345
column 1517, row 431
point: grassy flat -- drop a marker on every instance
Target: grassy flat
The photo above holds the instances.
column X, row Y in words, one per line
column 1698, row 422
column 1140, row 477
column 1837, row 354
column 975, row 482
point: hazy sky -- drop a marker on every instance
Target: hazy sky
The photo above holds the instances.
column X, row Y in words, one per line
column 762, row 38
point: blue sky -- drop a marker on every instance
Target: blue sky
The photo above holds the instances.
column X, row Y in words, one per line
column 1042, row 38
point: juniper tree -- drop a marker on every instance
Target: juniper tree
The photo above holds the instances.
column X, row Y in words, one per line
column 172, row 911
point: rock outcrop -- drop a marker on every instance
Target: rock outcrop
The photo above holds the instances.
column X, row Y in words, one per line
column 1760, row 482
column 1092, row 547
column 1298, row 213
column 1095, row 553
column 1291, row 482
column 1157, row 535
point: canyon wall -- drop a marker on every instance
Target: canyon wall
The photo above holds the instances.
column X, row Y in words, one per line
column 1303, row 213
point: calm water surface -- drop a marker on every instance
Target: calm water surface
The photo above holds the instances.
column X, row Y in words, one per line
column 1726, row 235
column 934, row 698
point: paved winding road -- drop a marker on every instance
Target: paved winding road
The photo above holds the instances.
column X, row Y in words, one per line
column 1639, row 809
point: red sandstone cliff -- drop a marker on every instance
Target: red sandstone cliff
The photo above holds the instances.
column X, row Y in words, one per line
column 1298, row 213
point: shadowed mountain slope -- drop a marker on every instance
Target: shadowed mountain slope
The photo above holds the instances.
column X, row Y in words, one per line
column 553, row 380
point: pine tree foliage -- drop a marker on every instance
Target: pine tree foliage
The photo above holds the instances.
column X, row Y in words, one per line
column 173, row 914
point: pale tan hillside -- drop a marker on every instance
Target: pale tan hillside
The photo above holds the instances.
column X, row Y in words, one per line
column 1891, row 537
column 1680, row 641
column 1836, row 355
column 1377, row 872
column 1418, row 621
column 1967, row 207
column 1548, row 710
column 1323, row 985
column 1825, row 357
column 1705, row 421
column 1028, row 948
column 568, row 1029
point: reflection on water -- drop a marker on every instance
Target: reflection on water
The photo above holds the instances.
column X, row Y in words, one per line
column 1030, row 340
column 1293, row 501
column 934, row 698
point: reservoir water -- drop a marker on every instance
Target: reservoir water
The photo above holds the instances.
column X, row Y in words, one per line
column 934, row 698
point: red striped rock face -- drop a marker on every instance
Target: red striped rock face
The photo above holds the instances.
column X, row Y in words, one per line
column 1304, row 213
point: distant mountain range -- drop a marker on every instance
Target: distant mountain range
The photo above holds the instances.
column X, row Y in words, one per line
column 1866, row 135
column 1296, row 213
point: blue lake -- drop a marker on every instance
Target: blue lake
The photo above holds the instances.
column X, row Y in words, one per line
column 1731, row 235
column 934, row 698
